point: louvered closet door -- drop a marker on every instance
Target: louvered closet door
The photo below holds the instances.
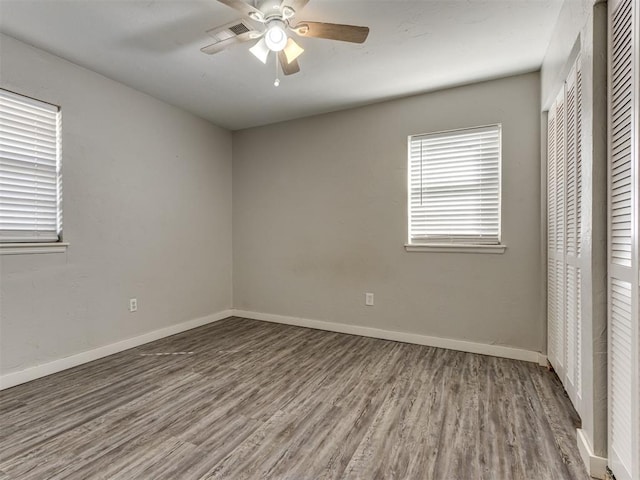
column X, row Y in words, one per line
column 624, row 339
column 573, row 245
column 554, row 297
column 561, row 203
column 557, row 211
column 564, row 208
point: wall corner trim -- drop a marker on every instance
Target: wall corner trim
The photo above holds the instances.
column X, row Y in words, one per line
column 439, row 342
column 32, row 373
column 596, row 466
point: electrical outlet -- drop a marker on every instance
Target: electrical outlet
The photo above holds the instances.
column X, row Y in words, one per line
column 368, row 299
column 133, row 304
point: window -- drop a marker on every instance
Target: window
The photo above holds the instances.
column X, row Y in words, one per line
column 30, row 175
column 454, row 189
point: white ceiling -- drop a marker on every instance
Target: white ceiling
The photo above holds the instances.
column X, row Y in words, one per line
column 414, row 46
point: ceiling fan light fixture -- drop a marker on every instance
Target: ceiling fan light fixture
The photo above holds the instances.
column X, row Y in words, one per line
column 276, row 36
column 292, row 50
column 261, row 51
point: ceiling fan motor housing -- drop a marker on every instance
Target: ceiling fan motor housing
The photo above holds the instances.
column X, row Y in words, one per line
column 269, row 7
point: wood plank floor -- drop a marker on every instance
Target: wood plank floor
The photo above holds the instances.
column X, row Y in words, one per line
column 242, row 399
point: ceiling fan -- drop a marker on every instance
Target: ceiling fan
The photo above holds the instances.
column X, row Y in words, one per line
column 269, row 23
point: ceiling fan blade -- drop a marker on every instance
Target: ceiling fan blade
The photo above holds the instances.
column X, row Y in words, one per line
column 247, row 10
column 224, row 44
column 260, row 50
column 288, row 68
column 332, row 31
column 292, row 50
column 295, row 5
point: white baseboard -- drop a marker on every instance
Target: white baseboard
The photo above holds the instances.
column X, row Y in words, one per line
column 31, row 373
column 543, row 361
column 38, row 371
column 448, row 343
column 596, row 466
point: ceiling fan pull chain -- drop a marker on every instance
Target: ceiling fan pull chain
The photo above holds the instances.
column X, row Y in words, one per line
column 276, row 82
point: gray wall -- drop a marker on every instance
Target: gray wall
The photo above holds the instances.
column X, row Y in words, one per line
column 147, row 212
column 320, row 218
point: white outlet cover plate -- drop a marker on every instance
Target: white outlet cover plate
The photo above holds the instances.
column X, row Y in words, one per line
column 368, row 299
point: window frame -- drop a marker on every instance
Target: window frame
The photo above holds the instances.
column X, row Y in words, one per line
column 459, row 246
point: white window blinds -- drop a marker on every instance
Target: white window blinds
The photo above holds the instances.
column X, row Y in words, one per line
column 30, row 180
column 454, row 187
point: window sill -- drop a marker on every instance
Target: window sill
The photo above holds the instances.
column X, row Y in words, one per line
column 455, row 248
column 32, row 248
